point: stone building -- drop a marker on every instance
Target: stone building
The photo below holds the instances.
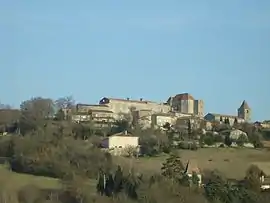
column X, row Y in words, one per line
column 244, row 115
column 128, row 105
column 97, row 113
column 185, row 103
column 244, row 111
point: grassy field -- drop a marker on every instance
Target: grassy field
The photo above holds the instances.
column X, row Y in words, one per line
column 232, row 162
column 16, row 181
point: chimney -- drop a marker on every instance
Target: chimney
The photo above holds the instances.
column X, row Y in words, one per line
column 141, row 99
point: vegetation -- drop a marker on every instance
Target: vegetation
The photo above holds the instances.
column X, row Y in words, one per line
column 48, row 158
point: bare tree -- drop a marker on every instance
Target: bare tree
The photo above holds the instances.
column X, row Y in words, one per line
column 5, row 106
column 65, row 102
column 35, row 111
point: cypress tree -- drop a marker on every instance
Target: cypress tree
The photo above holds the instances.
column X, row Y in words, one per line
column 118, row 180
column 100, row 184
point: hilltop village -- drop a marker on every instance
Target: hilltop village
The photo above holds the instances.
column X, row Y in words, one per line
column 181, row 108
column 124, row 150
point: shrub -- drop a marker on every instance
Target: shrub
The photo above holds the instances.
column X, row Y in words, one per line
column 228, row 140
column 241, row 140
column 208, row 140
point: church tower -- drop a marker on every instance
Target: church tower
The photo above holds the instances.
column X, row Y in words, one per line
column 244, row 111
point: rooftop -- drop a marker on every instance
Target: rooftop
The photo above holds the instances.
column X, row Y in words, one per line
column 128, row 100
column 244, row 105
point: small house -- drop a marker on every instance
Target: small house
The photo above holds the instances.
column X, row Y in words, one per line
column 121, row 143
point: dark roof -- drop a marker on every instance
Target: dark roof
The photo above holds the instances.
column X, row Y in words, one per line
column 179, row 97
column 244, row 105
column 223, row 115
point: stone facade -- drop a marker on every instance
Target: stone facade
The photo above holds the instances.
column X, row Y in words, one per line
column 128, row 105
column 185, row 103
column 244, row 115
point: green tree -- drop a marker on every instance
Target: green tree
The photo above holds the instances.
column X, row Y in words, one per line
column 221, row 119
column 173, row 167
column 118, row 180
column 189, row 129
column 208, row 139
column 228, row 140
column 241, row 140
column 235, row 123
column 252, row 178
column 101, row 182
column 195, row 180
column 60, row 115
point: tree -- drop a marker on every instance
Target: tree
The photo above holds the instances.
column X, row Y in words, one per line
column 227, row 121
column 173, row 167
column 121, row 126
column 221, row 119
column 195, row 180
column 101, row 182
column 34, row 112
column 60, row 115
column 252, row 179
column 189, row 129
column 65, row 102
column 241, row 140
column 235, row 123
column 118, row 180
column 5, row 106
column 228, row 140
column 208, row 139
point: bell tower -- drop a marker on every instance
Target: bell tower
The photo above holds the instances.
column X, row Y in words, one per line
column 244, row 111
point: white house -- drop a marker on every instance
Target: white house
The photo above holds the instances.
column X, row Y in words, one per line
column 119, row 143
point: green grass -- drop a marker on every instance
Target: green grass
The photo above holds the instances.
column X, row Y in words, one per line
column 232, row 162
column 16, row 181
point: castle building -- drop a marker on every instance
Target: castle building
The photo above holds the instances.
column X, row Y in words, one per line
column 126, row 105
column 185, row 103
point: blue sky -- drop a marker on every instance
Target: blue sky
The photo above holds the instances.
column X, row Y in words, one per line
column 218, row 51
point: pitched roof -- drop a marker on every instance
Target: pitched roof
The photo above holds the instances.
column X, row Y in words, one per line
column 223, row 115
column 244, row 105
